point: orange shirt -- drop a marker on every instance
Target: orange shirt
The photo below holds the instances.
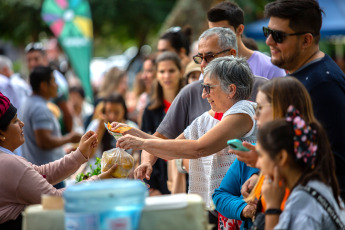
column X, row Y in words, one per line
column 263, row 202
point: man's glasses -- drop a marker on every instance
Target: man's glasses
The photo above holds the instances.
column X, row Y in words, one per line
column 209, row 57
column 278, row 36
column 34, row 46
column 208, row 87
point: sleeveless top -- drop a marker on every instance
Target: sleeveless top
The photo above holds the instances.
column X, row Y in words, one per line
column 206, row 173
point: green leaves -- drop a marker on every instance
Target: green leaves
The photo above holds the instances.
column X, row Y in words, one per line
column 93, row 172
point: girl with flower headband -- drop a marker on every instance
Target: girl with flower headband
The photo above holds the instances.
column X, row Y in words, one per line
column 296, row 154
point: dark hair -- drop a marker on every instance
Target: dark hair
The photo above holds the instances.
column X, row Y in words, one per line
column 304, row 15
column 116, row 98
column 278, row 135
column 40, row 74
column 228, row 11
column 157, row 89
column 77, row 89
column 113, row 98
column 250, row 43
column 178, row 38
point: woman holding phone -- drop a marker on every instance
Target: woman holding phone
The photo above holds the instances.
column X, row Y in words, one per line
column 273, row 100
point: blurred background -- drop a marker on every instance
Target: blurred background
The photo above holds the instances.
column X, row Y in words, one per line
column 126, row 31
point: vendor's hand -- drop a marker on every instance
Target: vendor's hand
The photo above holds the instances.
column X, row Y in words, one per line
column 273, row 190
column 130, row 142
column 143, row 171
column 74, row 137
column 249, row 185
column 108, row 174
column 88, row 142
column 115, row 125
column 249, row 157
column 249, row 210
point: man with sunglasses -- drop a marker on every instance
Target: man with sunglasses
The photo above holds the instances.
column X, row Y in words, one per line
column 36, row 56
column 293, row 35
column 229, row 15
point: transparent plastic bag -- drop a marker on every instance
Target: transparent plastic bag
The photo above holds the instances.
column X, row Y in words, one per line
column 120, row 157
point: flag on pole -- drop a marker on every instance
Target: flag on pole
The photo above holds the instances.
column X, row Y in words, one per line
column 70, row 21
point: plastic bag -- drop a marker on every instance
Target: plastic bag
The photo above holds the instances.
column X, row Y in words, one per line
column 120, row 157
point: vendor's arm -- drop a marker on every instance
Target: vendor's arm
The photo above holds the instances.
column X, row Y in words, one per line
column 227, row 198
column 232, row 126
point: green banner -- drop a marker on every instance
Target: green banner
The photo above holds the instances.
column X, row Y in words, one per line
column 70, row 21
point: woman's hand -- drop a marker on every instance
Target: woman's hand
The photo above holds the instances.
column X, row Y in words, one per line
column 130, row 142
column 108, row 174
column 248, row 186
column 143, row 171
column 115, row 125
column 249, row 210
column 249, row 157
column 88, row 142
column 273, row 190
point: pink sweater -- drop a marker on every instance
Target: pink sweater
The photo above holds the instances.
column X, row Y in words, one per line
column 22, row 183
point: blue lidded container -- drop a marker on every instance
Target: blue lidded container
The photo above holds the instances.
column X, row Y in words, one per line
column 107, row 204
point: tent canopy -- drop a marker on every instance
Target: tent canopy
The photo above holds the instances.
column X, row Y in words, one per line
column 333, row 22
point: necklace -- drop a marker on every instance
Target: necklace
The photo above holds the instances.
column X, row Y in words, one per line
column 309, row 58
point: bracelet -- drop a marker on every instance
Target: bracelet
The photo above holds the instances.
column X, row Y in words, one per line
column 273, row 211
column 180, row 167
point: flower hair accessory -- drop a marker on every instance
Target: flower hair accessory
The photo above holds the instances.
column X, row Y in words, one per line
column 304, row 139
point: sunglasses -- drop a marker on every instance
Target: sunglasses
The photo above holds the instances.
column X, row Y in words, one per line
column 209, row 57
column 208, row 87
column 279, row 36
column 34, row 46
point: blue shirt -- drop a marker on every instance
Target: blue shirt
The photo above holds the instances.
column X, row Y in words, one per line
column 325, row 82
column 228, row 198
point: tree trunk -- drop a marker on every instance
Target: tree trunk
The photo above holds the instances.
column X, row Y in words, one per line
column 189, row 12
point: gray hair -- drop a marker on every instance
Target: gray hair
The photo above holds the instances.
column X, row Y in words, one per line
column 232, row 70
column 226, row 37
column 5, row 62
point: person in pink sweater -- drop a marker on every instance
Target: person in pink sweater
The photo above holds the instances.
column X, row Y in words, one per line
column 21, row 182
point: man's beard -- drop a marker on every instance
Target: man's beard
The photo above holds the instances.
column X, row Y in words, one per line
column 288, row 63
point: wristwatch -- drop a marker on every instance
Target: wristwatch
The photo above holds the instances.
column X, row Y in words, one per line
column 180, row 166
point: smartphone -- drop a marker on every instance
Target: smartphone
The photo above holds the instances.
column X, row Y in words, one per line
column 236, row 144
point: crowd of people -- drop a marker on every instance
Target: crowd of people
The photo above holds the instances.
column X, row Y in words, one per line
column 287, row 110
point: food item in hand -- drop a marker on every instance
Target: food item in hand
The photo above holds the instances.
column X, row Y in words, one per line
column 120, row 157
column 118, row 130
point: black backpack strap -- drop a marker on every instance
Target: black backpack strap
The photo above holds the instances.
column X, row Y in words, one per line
column 326, row 205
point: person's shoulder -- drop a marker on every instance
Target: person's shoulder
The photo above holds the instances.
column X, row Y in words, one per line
column 192, row 87
column 322, row 71
column 12, row 161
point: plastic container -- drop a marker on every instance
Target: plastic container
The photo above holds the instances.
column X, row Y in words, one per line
column 105, row 205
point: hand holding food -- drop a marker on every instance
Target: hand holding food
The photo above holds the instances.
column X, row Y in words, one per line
column 130, row 142
column 121, row 158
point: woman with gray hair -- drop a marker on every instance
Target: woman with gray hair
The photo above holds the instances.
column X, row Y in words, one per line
column 227, row 86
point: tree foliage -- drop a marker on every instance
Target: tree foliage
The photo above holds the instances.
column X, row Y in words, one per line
column 118, row 24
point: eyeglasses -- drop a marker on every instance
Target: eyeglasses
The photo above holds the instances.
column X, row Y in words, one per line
column 259, row 108
column 208, row 87
column 209, row 57
column 34, row 46
column 279, row 36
